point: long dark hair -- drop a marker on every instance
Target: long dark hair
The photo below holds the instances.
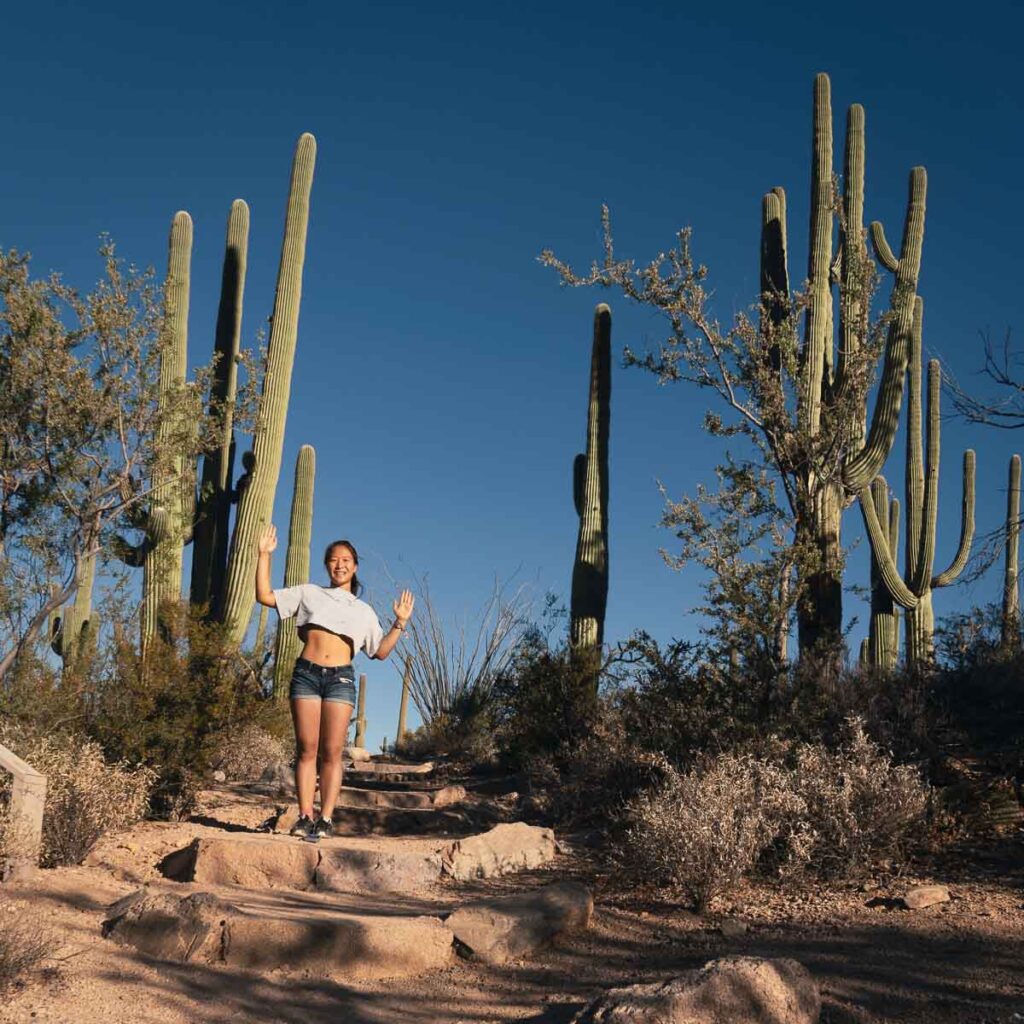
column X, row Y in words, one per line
column 355, row 584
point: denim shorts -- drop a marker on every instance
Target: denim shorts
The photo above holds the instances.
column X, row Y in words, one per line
column 334, row 683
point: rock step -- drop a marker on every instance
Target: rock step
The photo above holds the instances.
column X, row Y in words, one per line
column 207, row 928
column 391, row 821
column 358, row 864
column 362, row 796
column 387, row 768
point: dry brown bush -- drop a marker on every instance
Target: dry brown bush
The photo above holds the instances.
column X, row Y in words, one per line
column 85, row 796
column 831, row 813
column 244, row 754
column 23, row 943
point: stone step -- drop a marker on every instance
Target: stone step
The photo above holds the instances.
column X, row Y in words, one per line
column 380, row 769
column 262, row 931
column 361, row 796
column 391, row 821
column 358, row 864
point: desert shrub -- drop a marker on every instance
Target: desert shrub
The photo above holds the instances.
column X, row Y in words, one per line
column 831, row 813
column 544, row 704
column 704, row 829
column 465, row 732
column 23, row 943
column 244, row 753
column 85, row 796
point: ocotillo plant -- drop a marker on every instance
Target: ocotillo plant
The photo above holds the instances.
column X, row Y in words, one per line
column 826, row 377
column 883, row 642
column 914, row 590
column 210, row 550
column 1010, row 632
column 256, row 502
column 296, row 566
column 168, row 523
column 590, row 496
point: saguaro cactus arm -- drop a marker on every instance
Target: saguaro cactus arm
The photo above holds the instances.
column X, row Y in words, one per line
column 1011, row 586
column 860, row 470
column 901, row 593
column 966, row 527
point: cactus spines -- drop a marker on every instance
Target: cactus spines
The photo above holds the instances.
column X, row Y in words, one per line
column 209, row 554
column 1011, row 586
column 256, row 502
column 590, row 486
column 165, row 529
column 914, row 591
column 296, row 568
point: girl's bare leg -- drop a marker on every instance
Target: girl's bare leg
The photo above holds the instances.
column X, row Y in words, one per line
column 306, row 715
column 334, row 719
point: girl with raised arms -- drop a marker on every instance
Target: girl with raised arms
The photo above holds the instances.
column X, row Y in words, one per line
column 333, row 624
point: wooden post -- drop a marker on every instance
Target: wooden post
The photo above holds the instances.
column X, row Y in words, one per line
column 361, row 713
column 403, row 708
column 28, row 797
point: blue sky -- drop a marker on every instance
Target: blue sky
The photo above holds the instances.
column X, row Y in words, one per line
column 441, row 371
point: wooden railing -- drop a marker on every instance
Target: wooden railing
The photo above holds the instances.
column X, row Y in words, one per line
column 28, row 795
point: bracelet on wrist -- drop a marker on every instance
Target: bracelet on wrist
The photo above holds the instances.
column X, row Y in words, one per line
column 400, row 626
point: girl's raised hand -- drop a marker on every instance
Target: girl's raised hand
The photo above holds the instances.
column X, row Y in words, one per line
column 268, row 540
column 403, row 606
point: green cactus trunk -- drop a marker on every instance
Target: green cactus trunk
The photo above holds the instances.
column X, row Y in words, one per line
column 360, row 740
column 403, row 707
column 256, row 502
column 883, row 636
column 210, row 550
column 71, row 635
column 824, row 378
column 166, row 530
column 913, row 591
column 590, row 494
column 1011, row 587
column 296, row 569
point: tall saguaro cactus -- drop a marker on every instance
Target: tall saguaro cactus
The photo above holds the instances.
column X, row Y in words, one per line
column 913, row 591
column 296, row 567
column 210, row 541
column 590, row 495
column 883, row 635
column 256, row 503
column 826, row 371
column 68, row 633
column 1010, row 632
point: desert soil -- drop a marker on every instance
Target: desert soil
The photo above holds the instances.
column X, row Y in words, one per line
column 961, row 961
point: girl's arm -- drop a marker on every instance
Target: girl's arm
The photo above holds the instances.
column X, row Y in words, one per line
column 267, row 543
column 403, row 612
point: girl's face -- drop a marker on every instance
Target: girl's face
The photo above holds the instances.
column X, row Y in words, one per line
column 341, row 566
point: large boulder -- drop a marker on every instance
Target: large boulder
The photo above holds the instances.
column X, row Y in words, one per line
column 733, row 990
column 255, row 862
column 506, row 928
column 169, row 927
column 514, row 846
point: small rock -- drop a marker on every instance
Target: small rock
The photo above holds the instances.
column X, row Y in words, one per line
column 357, row 754
column 732, row 929
column 733, row 990
column 219, row 776
column 508, row 927
column 922, row 896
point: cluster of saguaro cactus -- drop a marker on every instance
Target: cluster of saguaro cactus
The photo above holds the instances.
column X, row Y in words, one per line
column 296, row 567
column 825, row 374
column 590, row 495
column 913, row 590
column 221, row 578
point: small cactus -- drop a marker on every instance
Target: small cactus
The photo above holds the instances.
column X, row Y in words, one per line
column 590, row 496
column 296, row 569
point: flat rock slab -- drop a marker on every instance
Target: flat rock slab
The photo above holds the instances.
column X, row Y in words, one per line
column 514, row 846
column 446, row 796
column 733, row 990
column 511, row 927
column 209, row 929
column 922, row 896
column 389, row 768
column 361, row 864
column 391, row 821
